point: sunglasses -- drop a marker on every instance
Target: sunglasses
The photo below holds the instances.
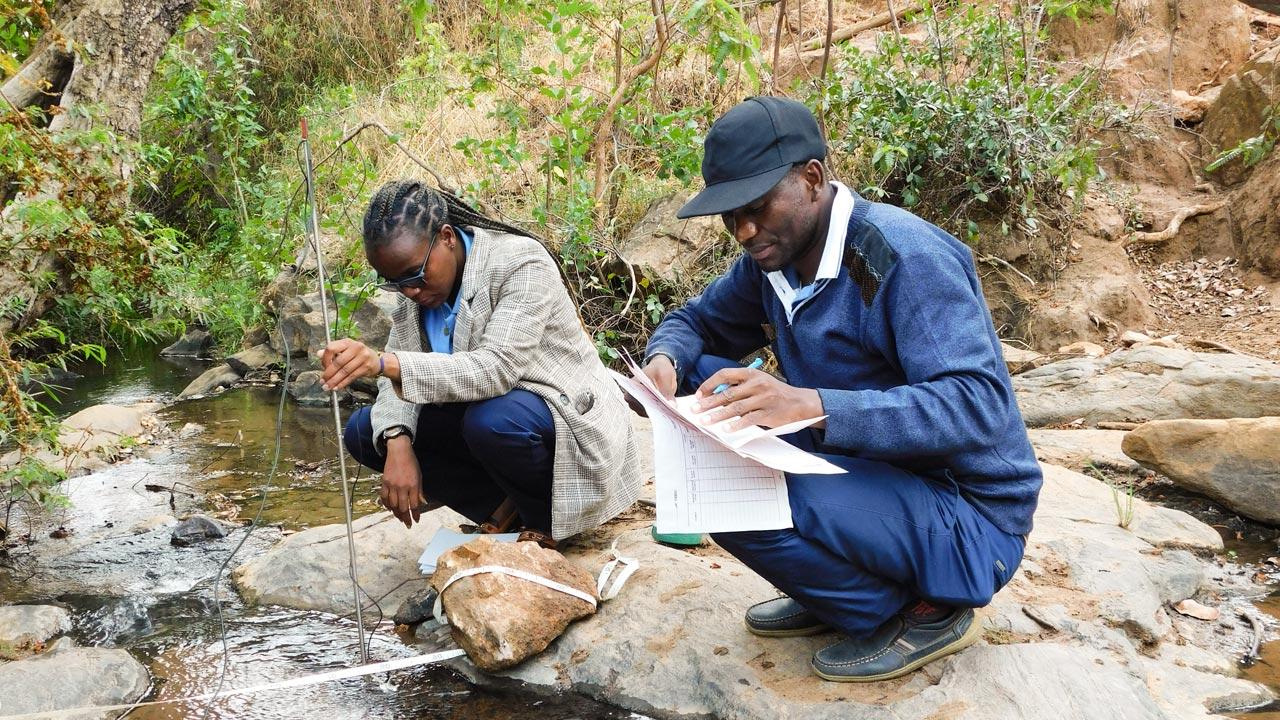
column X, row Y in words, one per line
column 416, row 280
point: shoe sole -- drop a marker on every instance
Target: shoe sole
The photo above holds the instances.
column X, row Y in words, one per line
column 793, row 632
column 970, row 637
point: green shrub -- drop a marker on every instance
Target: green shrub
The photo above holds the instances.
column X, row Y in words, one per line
column 970, row 125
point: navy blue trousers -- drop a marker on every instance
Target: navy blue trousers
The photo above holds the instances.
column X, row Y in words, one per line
column 475, row 455
column 870, row 542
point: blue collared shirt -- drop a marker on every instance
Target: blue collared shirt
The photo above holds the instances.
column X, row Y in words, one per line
column 437, row 323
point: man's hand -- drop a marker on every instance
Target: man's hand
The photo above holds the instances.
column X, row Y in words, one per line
column 345, row 361
column 663, row 375
column 401, row 490
column 755, row 397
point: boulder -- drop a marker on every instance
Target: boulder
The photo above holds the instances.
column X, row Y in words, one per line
column 69, row 677
column 1235, row 461
column 210, row 380
column 28, row 626
column 309, row 570
column 1078, row 449
column 1018, row 360
column 670, row 247
column 1256, row 214
column 102, row 425
column 300, row 324
column 196, row 529
column 254, row 358
column 501, row 620
column 1149, row 383
column 194, row 344
column 1239, row 110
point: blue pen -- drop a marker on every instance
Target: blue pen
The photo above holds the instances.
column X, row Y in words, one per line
column 755, row 365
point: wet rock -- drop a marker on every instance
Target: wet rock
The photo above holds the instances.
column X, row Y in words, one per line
column 417, row 607
column 1234, row 461
column 1149, row 383
column 1078, row 449
column 502, row 620
column 26, row 626
column 667, row 246
column 308, row 570
column 255, row 358
column 194, row 344
column 190, row 430
column 69, row 677
column 196, row 529
column 210, row 380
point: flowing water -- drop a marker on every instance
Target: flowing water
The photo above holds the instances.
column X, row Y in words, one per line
column 128, row 588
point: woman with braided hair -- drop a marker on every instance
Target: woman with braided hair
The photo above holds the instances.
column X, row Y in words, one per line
column 491, row 397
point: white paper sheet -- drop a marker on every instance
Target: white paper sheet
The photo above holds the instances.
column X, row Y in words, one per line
column 711, row 480
column 445, row 540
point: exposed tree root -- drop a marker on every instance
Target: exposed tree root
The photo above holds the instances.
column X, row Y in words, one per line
column 814, row 48
column 1175, row 224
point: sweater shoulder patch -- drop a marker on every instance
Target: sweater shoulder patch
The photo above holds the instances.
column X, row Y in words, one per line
column 868, row 260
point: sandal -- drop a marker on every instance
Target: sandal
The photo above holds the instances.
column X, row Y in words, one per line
column 502, row 520
column 543, row 539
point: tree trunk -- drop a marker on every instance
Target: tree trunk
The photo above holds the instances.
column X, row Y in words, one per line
column 101, row 53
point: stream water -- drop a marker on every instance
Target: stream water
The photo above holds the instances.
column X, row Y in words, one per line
column 132, row 590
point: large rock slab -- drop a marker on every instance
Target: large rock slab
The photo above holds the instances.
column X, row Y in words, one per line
column 1078, row 449
column 254, row 358
column 1238, row 111
column 28, row 626
column 309, row 570
column 501, row 620
column 70, row 677
column 1070, row 501
column 1235, row 461
column 1149, row 383
column 103, row 425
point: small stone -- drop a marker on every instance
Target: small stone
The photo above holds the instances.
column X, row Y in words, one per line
column 417, row 607
column 1087, row 349
column 1131, row 337
column 196, row 529
column 1191, row 608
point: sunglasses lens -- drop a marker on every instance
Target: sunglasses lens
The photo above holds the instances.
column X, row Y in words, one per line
column 388, row 286
column 418, row 282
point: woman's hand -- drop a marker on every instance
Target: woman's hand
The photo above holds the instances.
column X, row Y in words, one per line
column 401, row 490
column 345, row 361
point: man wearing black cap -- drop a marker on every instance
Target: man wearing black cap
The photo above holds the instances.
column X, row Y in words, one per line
column 878, row 322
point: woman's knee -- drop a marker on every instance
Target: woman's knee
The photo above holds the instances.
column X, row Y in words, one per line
column 506, row 422
column 357, row 436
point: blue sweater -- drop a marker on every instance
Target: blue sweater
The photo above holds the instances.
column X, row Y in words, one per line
column 901, row 349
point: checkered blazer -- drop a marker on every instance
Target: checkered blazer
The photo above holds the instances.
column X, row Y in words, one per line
column 517, row 328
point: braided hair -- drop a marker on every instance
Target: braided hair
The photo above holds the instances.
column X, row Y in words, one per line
column 425, row 209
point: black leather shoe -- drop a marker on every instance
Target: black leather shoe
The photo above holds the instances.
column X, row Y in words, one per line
column 782, row 617
column 896, row 648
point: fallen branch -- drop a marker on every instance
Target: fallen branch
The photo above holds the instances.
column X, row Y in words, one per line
column 1152, row 238
column 814, row 47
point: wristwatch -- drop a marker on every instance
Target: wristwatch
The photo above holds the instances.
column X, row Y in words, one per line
column 391, row 432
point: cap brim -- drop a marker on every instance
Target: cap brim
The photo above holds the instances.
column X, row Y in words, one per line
column 732, row 194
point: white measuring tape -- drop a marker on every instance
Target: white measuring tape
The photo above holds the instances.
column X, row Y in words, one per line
column 316, row 679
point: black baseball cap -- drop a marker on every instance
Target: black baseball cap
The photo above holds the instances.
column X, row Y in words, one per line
column 749, row 149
